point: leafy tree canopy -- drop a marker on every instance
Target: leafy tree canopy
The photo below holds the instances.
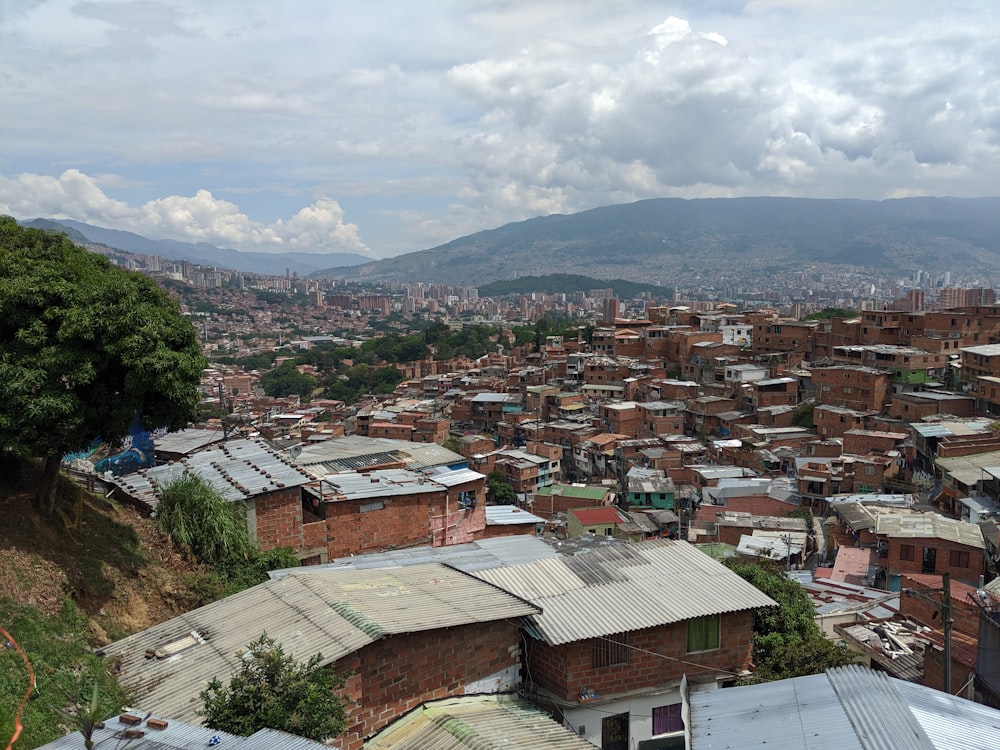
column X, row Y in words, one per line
column 803, row 415
column 84, row 347
column 498, row 486
column 273, row 690
column 787, row 642
column 286, row 380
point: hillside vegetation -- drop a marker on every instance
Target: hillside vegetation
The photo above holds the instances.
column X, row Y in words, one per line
column 65, row 591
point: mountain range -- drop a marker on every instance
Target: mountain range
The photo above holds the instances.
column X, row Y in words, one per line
column 660, row 240
column 202, row 253
column 657, row 241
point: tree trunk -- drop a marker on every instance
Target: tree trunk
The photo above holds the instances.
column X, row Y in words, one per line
column 49, row 484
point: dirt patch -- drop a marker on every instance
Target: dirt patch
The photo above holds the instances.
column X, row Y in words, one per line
column 117, row 566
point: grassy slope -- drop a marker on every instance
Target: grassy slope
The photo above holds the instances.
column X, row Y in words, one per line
column 64, row 593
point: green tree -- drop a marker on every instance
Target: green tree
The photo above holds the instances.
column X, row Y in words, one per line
column 85, row 347
column 787, row 642
column 803, row 415
column 273, row 690
column 286, row 380
column 498, row 486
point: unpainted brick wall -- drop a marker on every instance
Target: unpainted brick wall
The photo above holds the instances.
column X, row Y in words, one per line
column 399, row 672
column 567, row 670
column 279, row 520
column 403, row 521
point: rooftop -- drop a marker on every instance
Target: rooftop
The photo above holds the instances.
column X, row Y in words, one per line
column 929, row 526
column 332, row 612
column 591, row 516
column 237, row 469
column 177, row 735
column 847, row 708
column 469, row 557
column 615, row 588
column 486, row 722
column 355, row 452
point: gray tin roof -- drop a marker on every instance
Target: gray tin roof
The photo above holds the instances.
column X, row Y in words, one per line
column 179, row 735
column 848, row 708
column 479, row 555
column 238, row 469
column 618, row 588
column 486, row 722
column 332, row 612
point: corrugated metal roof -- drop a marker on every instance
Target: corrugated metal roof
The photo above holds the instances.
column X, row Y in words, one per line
column 180, row 735
column 453, row 477
column 186, row 441
column 332, row 612
column 848, row 708
column 382, row 483
column 798, row 714
column 569, row 490
column 238, row 469
column 357, row 451
column 504, row 515
column 479, row 555
column 856, row 515
column 625, row 587
column 952, row 723
column 489, row 722
column 929, row 525
column 877, row 712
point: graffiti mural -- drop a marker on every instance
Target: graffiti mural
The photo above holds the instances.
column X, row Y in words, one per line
column 133, row 453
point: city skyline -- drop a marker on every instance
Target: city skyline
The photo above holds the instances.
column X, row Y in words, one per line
column 384, row 128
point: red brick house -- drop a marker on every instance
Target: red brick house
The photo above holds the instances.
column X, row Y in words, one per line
column 931, row 544
column 377, row 510
column 246, row 471
column 406, row 635
column 621, row 626
column 852, row 386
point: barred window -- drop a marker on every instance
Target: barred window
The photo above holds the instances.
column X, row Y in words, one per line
column 610, row 650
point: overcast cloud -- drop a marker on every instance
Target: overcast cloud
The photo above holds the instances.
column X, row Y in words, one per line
column 392, row 126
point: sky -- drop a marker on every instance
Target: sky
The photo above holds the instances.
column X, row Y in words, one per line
column 387, row 126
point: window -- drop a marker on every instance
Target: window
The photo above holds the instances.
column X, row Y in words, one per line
column 668, row 719
column 703, row 633
column 610, row 650
column 906, row 552
column 958, row 559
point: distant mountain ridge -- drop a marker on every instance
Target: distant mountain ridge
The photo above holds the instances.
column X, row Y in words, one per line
column 655, row 240
column 202, row 253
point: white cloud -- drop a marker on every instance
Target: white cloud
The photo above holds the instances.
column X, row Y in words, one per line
column 459, row 115
column 202, row 217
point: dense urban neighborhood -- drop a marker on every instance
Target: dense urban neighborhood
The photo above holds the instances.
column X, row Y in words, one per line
column 573, row 519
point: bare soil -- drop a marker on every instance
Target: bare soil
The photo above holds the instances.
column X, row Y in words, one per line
column 117, row 566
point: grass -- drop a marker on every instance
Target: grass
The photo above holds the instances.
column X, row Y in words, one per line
column 64, row 666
